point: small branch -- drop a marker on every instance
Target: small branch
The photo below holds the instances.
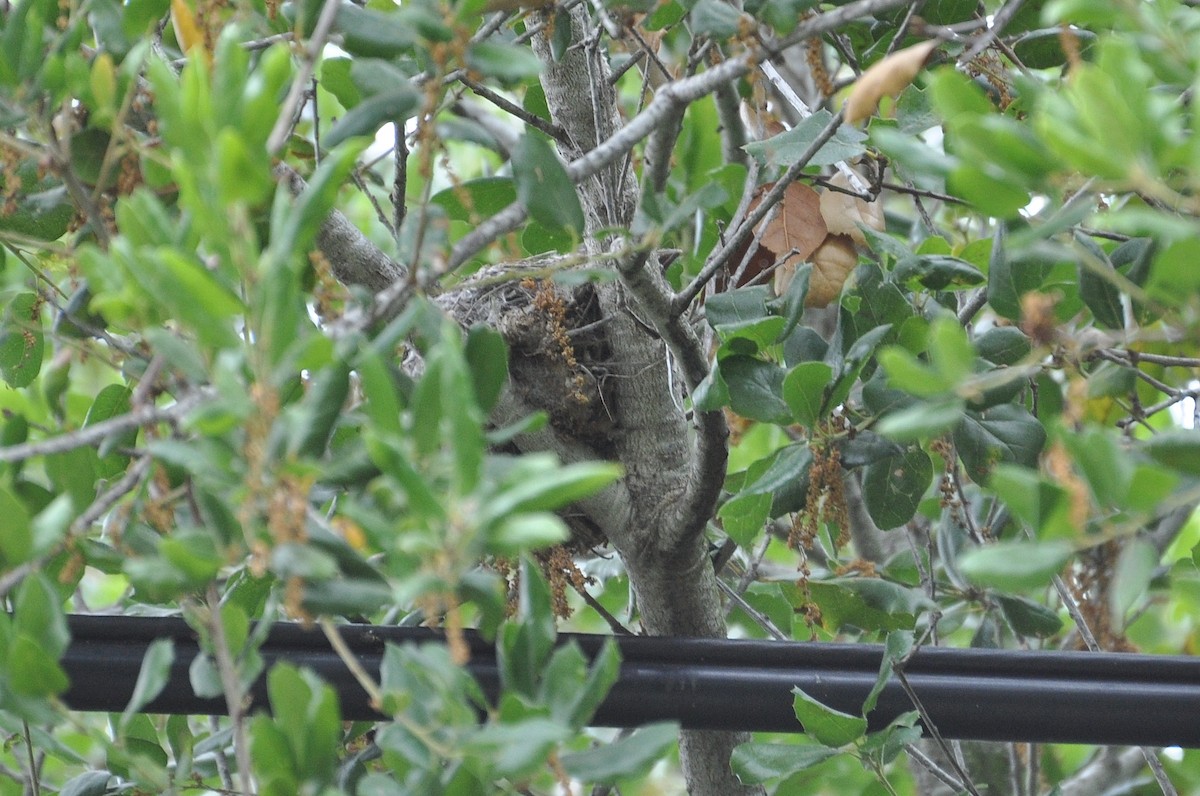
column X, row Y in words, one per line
column 930, row 765
column 355, row 259
column 1089, row 639
column 657, row 157
column 963, row 777
column 974, row 304
column 128, row 482
column 95, row 434
column 230, row 684
column 511, row 108
column 399, row 181
column 361, row 675
column 733, row 129
column 761, row 619
column 613, row 623
column 299, row 87
column 1000, row 21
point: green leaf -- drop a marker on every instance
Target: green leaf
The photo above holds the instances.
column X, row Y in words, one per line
column 188, row 291
column 544, row 187
column 476, row 199
column 906, row 372
column 1005, row 433
column 893, row 487
column 865, row 603
column 487, row 357
column 319, row 412
column 756, row 762
column 804, row 391
column 22, row 341
column 32, row 670
column 735, row 307
column 553, row 488
column 785, row 149
column 365, row 118
column 1135, row 569
column 829, row 727
column 1097, row 286
column 372, row 33
column 897, row 647
column 1029, row 618
column 784, row 474
column 526, row 531
column 1015, row 566
column 743, row 517
column 1178, row 449
column 152, row 677
column 519, row 748
column 938, row 271
column 755, row 389
column 1010, row 278
column 627, row 758
column 508, row 63
column 89, row 783
column 922, row 420
column 714, row 18
column 1003, row 345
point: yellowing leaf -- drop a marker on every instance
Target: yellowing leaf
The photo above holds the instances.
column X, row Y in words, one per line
column 886, row 78
column 844, row 213
column 187, row 26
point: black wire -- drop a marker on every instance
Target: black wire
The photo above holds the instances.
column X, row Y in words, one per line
column 997, row 695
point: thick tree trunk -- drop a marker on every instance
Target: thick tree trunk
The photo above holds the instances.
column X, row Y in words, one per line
column 667, row 564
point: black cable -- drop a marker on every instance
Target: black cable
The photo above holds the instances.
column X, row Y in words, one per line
column 998, row 695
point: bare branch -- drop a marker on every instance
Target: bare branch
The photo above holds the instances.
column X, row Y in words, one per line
column 283, row 124
column 355, row 259
column 95, row 434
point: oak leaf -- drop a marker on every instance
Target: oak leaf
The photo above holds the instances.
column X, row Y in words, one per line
column 885, row 78
column 832, row 263
column 844, row 213
column 798, row 228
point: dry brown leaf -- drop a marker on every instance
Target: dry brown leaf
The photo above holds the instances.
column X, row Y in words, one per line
column 796, row 225
column 843, row 212
column 798, row 228
column 832, row 263
column 885, row 78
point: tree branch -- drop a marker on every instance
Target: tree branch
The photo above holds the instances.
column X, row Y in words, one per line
column 354, row 258
column 95, row 434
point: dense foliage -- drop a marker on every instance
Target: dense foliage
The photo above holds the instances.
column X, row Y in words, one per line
column 266, row 269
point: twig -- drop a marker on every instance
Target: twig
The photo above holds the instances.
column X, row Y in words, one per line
column 231, row 685
column 964, row 778
column 613, row 623
column 1000, row 21
column 283, row 124
column 670, row 96
column 930, row 765
column 128, row 482
column 532, row 119
column 974, row 304
column 759, row 617
column 95, row 434
column 214, row 726
column 399, row 181
column 1089, row 639
column 361, row 675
